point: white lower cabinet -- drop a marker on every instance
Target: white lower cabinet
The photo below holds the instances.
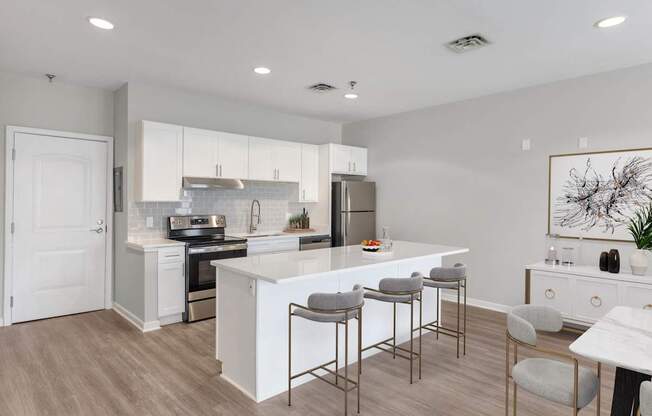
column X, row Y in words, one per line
column 594, row 298
column 171, row 282
column 552, row 290
column 583, row 294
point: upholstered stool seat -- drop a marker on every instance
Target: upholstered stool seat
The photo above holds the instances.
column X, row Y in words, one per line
column 450, row 278
column 338, row 309
column 400, row 291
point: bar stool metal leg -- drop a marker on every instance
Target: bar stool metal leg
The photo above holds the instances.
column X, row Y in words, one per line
column 290, row 355
column 394, row 335
column 411, row 336
column 458, row 319
column 465, row 310
column 420, row 329
column 359, row 353
column 337, row 354
column 346, row 366
column 437, row 307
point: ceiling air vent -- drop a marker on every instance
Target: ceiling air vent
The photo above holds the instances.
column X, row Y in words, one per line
column 467, row 43
column 321, row 87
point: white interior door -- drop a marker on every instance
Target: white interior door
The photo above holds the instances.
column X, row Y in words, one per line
column 59, row 241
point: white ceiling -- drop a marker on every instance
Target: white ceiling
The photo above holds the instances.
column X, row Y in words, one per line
column 393, row 48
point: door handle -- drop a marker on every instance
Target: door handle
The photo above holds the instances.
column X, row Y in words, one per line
column 98, row 230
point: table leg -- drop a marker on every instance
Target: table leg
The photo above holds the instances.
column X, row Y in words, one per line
column 626, row 391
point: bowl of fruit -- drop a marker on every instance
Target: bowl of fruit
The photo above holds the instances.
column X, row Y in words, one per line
column 371, row 246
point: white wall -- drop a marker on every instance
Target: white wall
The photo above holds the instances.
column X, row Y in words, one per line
column 455, row 174
column 34, row 102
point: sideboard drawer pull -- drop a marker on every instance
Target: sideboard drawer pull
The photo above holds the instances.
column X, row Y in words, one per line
column 648, row 306
column 596, row 301
column 550, row 294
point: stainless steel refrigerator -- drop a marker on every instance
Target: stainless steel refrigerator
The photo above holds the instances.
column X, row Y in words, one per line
column 353, row 212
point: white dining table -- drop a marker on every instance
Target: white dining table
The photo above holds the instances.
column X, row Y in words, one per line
column 622, row 338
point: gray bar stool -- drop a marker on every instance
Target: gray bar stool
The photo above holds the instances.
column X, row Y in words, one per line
column 453, row 278
column 405, row 291
column 337, row 308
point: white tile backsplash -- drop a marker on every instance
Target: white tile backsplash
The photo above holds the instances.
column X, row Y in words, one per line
column 275, row 203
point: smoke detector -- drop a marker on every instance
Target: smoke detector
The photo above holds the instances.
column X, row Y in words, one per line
column 321, row 87
column 468, row 43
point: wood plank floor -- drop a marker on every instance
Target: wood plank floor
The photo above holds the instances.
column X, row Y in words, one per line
column 97, row 364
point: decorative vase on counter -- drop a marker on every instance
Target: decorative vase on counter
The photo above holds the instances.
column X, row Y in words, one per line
column 604, row 261
column 614, row 261
column 638, row 261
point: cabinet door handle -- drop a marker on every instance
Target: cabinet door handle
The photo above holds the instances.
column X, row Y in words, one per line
column 596, row 301
column 349, row 167
column 550, row 294
column 354, row 168
column 304, row 195
column 648, row 306
column 217, row 170
column 278, row 173
column 220, row 170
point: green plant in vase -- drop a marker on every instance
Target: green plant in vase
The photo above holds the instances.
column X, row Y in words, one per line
column 640, row 227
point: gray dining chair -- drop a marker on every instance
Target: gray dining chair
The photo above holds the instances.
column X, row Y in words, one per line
column 645, row 408
column 338, row 309
column 560, row 380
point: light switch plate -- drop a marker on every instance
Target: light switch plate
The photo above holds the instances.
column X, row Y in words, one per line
column 526, row 145
column 149, row 222
column 583, row 142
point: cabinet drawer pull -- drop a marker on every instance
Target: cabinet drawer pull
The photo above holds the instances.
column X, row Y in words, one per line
column 550, row 294
column 596, row 301
column 648, row 306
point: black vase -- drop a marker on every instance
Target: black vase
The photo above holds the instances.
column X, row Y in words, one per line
column 604, row 261
column 614, row 261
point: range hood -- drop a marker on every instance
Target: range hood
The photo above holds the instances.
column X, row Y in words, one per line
column 211, row 183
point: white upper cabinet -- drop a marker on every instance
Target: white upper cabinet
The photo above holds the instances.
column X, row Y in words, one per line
column 159, row 165
column 200, row 153
column 287, row 159
column 274, row 160
column 233, row 156
column 214, row 154
column 348, row 160
column 309, row 183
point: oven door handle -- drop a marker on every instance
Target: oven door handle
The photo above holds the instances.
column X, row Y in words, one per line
column 217, row 249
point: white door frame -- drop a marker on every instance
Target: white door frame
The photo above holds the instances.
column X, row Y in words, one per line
column 9, row 208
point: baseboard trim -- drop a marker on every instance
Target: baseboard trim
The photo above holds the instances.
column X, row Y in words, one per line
column 478, row 303
column 2, row 322
column 134, row 320
column 242, row 390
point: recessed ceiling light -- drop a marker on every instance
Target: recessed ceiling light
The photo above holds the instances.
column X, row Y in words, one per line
column 261, row 70
column 610, row 21
column 101, row 23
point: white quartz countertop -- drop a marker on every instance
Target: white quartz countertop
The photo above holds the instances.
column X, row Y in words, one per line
column 152, row 244
column 589, row 271
column 289, row 266
column 622, row 338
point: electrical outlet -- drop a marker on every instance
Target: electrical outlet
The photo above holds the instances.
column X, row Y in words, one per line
column 526, row 145
column 583, row 142
column 149, row 222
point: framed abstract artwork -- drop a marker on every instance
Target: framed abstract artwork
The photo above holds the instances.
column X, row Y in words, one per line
column 593, row 195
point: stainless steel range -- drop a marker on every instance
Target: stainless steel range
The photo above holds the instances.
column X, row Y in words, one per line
column 205, row 241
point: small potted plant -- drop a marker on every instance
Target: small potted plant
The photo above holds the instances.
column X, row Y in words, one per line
column 640, row 226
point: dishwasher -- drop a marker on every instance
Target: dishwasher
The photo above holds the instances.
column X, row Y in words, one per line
column 314, row 242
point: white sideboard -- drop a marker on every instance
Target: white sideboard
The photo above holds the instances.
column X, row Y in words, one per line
column 583, row 294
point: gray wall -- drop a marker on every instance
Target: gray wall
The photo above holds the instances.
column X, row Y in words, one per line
column 169, row 105
column 33, row 102
column 455, row 174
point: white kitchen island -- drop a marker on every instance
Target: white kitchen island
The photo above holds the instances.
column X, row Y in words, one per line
column 253, row 294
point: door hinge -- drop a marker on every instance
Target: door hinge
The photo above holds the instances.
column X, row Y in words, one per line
column 13, row 227
column 13, row 154
column 11, row 301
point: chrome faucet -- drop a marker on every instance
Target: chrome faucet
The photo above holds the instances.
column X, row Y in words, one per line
column 252, row 226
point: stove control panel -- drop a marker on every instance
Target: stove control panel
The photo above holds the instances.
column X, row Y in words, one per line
column 187, row 222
